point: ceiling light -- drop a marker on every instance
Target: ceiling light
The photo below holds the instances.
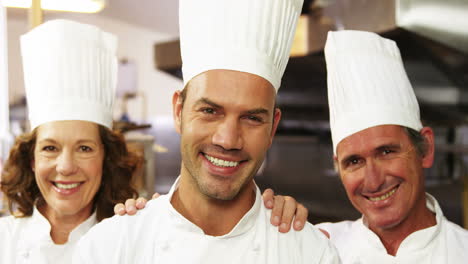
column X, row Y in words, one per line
column 81, row 6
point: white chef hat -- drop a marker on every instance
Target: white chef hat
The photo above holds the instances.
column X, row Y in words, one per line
column 69, row 73
column 367, row 85
column 241, row 35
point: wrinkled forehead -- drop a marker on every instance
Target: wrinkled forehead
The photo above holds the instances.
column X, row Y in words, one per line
column 371, row 139
column 231, row 86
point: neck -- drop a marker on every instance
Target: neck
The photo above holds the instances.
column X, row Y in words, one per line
column 419, row 219
column 62, row 225
column 215, row 217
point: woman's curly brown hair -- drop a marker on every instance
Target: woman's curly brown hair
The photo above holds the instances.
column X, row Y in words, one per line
column 19, row 184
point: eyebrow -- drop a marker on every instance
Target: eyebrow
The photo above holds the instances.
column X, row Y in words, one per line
column 207, row 101
column 387, row 146
column 81, row 141
column 377, row 149
column 45, row 140
column 258, row 111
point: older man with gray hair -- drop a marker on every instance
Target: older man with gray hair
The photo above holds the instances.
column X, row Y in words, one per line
column 381, row 150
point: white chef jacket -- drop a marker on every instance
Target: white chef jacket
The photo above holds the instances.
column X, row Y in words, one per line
column 27, row 240
column 445, row 242
column 159, row 234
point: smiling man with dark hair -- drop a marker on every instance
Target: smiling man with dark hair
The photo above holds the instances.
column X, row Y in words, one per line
column 234, row 55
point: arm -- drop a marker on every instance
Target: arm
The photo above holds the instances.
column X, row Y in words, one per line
column 285, row 209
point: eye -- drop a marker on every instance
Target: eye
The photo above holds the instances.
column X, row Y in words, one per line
column 352, row 162
column 210, row 111
column 49, row 148
column 255, row 119
column 386, row 151
column 85, row 149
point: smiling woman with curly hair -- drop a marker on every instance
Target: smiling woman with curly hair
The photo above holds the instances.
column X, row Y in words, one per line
column 68, row 172
column 21, row 189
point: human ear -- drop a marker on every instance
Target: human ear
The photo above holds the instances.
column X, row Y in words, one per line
column 177, row 110
column 428, row 156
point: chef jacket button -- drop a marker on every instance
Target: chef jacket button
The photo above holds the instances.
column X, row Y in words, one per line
column 165, row 246
column 256, row 247
column 25, row 254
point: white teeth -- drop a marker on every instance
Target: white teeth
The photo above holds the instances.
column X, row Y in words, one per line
column 66, row 186
column 385, row 196
column 222, row 163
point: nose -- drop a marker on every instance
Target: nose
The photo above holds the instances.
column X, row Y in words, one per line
column 374, row 177
column 66, row 164
column 228, row 134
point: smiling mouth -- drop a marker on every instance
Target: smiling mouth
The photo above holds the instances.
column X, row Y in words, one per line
column 384, row 196
column 67, row 186
column 221, row 162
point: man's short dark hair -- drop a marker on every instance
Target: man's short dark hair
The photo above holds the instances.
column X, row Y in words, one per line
column 418, row 141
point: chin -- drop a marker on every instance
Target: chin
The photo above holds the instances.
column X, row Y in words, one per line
column 69, row 209
column 383, row 222
column 224, row 195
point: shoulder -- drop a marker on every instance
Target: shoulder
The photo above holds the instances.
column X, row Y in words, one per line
column 310, row 244
column 307, row 244
column 11, row 224
column 112, row 237
column 7, row 225
column 149, row 214
column 456, row 241
column 7, row 221
column 338, row 230
column 456, row 232
column 12, row 230
column 313, row 237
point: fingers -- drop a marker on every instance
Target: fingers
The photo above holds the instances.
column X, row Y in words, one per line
column 289, row 209
column 277, row 210
column 140, row 203
column 268, row 197
column 155, row 195
column 130, row 206
column 119, row 209
column 301, row 217
column 325, row 233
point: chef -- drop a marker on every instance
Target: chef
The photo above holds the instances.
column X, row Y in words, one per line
column 234, row 55
column 66, row 174
column 381, row 150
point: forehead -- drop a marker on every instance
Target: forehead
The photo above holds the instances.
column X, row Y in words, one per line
column 68, row 130
column 231, row 88
column 372, row 138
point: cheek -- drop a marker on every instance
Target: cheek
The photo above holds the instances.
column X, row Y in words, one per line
column 401, row 168
column 196, row 129
column 95, row 173
column 42, row 168
column 351, row 181
column 257, row 139
column 94, row 169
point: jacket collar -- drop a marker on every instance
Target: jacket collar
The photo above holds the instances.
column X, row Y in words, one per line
column 414, row 242
column 37, row 230
column 244, row 225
